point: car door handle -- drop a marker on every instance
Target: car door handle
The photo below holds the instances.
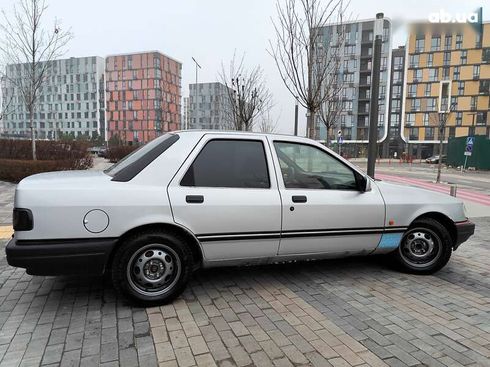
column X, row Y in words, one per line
column 194, row 199
column 299, row 199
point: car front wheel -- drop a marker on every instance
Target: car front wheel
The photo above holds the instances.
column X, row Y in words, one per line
column 152, row 267
column 425, row 248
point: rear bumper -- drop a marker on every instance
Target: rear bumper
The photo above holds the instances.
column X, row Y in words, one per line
column 464, row 230
column 61, row 257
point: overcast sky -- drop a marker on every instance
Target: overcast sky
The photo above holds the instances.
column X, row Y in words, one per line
column 211, row 31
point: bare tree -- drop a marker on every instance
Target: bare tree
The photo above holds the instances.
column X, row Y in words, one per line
column 267, row 123
column 30, row 49
column 246, row 94
column 331, row 110
column 6, row 99
column 440, row 119
column 305, row 58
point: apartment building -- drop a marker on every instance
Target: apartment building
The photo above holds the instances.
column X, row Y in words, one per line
column 355, row 74
column 143, row 96
column 71, row 100
column 209, row 106
column 447, row 77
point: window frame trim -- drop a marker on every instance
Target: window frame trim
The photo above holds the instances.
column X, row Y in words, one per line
column 185, row 168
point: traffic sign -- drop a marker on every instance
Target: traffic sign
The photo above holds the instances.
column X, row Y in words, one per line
column 341, row 139
column 469, row 146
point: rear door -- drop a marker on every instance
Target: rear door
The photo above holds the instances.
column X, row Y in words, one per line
column 324, row 209
column 226, row 194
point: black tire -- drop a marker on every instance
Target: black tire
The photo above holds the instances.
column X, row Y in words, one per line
column 152, row 267
column 425, row 247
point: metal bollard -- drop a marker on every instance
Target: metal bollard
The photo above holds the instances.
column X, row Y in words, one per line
column 453, row 190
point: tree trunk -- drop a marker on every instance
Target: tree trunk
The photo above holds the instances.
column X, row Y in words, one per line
column 33, row 137
column 310, row 123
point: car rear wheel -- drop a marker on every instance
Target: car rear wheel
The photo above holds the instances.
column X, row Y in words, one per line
column 425, row 248
column 152, row 267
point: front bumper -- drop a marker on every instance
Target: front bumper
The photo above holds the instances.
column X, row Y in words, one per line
column 464, row 230
column 61, row 257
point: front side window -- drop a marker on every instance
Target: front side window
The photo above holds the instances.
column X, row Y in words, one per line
column 308, row 167
column 229, row 163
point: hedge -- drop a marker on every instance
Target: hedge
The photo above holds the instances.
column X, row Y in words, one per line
column 118, row 152
column 16, row 158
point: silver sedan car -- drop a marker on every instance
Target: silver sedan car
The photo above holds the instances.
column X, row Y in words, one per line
column 194, row 199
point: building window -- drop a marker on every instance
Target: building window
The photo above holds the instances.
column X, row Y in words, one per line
column 430, row 59
column 459, row 118
column 417, row 75
column 429, row 133
column 447, row 58
column 415, row 104
column 398, row 62
column 428, row 88
column 419, row 45
column 414, row 61
column 395, row 105
column 473, row 103
column 396, row 91
column 460, row 88
column 476, row 71
column 433, row 74
column 484, row 87
column 426, row 119
column 414, row 133
column 445, row 96
column 431, row 104
column 435, row 43
column 448, row 41
column 481, row 118
column 459, row 41
column 464, row 57
column 445, row 72
column 456, row 72
column 410, row 119
column 412, row 90
column 486, row 55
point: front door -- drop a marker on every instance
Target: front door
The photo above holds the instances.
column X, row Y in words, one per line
column 324, row 209
column 225, row 194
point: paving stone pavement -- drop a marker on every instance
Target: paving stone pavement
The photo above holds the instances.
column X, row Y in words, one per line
column 350, row 312
column 7, row 192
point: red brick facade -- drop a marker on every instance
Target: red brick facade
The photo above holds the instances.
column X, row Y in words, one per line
column 143, row 96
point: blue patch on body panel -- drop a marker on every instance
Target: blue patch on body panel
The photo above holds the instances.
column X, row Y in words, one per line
column 390, row 240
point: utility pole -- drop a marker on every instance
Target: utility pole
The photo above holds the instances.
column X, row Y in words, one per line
column 296, row 118
column 373, row 111
column 196, row 93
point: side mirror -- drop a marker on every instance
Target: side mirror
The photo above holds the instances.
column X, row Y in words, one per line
column 366, row 184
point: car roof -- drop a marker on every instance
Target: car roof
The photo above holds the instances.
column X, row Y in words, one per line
column 234, row 132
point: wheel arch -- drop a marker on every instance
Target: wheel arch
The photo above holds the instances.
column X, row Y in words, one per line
column 194, row 244
column 443, row 219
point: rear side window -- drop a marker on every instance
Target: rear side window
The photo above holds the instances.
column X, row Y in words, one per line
column 229, row 163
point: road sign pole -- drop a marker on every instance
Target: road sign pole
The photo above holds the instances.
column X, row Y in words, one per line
column 465, row 160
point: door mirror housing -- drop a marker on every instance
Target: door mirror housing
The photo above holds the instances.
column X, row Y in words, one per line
column 365, row 184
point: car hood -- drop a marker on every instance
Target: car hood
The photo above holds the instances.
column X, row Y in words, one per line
column 63, row 179
column 410, row 194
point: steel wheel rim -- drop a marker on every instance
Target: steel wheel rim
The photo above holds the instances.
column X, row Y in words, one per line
column 153, row 270
column 420, row 247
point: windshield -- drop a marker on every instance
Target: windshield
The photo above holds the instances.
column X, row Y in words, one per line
column 136, row 155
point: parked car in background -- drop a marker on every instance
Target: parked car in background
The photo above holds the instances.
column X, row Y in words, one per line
column 196, row 199
column 102, row 153
column 435, row 159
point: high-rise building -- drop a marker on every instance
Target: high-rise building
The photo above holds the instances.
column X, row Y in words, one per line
column 143, row 95
column 185, row 114
column 355, row 73
column 71, row 100
column 448, row 69
column 209, row 106
column 394, row 142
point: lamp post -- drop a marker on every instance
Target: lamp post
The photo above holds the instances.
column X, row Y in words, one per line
column 296, row 117
column 196, row 93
